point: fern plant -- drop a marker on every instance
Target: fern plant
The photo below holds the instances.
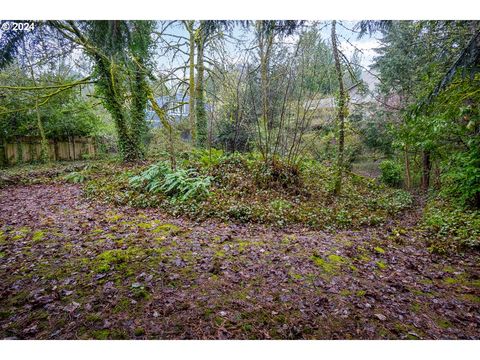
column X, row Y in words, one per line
column 181, row 184
column 75, row 177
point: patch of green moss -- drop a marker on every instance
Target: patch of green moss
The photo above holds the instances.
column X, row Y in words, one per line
column 422, row 293
column 444, row 324
column 243, row 245
column 24, row 230
column 116, row 257
column 100, row 334
column 475, row 283
column 139, row 331
column 247, row 327
column 119, row 334
column 361, row 293
column 112, row 217
column 145, row 225
column 2, row 254
column 462, row 279
column 287, row 239
column 379, row 250
column 363, row 255
column 140, row 293
column 325, row 265
column 96, row 231
column 345, row 292
column 415, row 307
column 336, row 259
column 426, row 281
column 450, row 281
column 381, row 265
column 169, row 229
column 449, row 269
column 123, row 305
column 296, row 276
column 160, row 239
column 93, row 318
column 219, row 254
column 38, row 236
column 20, row 298
column 409, row 331
column 471, row 297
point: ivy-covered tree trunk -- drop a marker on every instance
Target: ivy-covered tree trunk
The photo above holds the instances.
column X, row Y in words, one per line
column 108, row 87
column 342, row 110
column 139, row 102
column 120, row 51
column 200, row 112
column 44, row 153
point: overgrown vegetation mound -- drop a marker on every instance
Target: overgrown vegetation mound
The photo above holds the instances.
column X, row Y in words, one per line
column 243, row 188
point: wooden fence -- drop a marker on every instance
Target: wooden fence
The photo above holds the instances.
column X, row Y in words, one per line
column 27, row 149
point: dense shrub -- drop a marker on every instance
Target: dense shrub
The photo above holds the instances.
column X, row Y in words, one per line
column 450, row 227
column 203, row 158
column 391, row 173
column 461, row 180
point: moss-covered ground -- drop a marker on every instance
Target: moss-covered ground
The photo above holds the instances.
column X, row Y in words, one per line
column 78, row 268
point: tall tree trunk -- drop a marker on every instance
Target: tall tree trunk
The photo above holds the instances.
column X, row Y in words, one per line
column 426, row 169
column 265, row 42
column 107, row 70
column 44, row 156
column 139, row 127
column 201, row 114
column 264, row 87
column 191, row 89
column 341, row 112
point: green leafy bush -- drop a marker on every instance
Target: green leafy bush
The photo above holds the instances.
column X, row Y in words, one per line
column 391, row 173
column 451, row 228
column 461, row 180
column 180, row 184
column 209, row 157
column 203, row 158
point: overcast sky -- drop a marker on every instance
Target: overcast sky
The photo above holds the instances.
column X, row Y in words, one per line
column 348, row 39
